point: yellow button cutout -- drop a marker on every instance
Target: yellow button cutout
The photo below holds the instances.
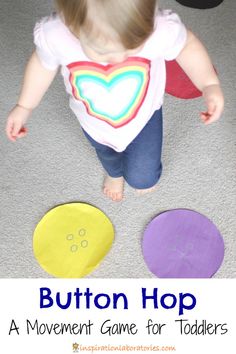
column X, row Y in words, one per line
column 72, row 239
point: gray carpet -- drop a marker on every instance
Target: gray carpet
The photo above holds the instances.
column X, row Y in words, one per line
column 56, row 165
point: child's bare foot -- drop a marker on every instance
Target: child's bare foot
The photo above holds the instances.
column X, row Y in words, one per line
column 113, row 188
column 145, row 191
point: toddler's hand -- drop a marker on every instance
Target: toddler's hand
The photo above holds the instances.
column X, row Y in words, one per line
column 214, row 99
column 15, row 128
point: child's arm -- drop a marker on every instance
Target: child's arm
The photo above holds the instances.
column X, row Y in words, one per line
column 195, row 61
column 36, row 81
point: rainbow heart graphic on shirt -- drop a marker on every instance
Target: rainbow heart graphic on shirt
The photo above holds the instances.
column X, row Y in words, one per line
column 111, row 93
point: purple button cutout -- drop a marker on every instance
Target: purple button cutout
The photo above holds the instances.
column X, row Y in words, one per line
column 182, row 243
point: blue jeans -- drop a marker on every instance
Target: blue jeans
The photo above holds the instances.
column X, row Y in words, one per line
column 140, row 163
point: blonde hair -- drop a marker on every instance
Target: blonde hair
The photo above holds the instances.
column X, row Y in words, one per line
column 132, row 20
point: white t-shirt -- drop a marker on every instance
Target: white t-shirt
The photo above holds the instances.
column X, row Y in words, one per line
column 113, row 102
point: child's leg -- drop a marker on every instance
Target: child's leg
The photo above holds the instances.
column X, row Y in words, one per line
column 142, row 158
column 111, row 161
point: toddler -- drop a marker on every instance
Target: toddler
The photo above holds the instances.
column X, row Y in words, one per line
column 112, row 57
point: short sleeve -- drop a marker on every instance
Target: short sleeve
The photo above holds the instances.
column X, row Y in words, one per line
column 173, row 33
column 44, row 49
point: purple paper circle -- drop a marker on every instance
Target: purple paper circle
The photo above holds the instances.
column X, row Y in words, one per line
column 182, row 243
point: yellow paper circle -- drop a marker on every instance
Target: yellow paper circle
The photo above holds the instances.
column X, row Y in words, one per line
column 71, row 240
